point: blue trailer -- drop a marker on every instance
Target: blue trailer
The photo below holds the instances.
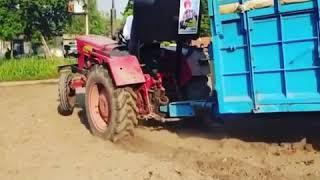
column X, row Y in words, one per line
column 265, row 59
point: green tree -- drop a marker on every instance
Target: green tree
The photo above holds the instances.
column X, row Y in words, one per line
column 32, row 19
column 205, row 21
column 44, row 17
column 12, row 23
column 98, row 22
column 128, row 10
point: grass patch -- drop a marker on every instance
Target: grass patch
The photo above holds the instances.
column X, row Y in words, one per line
column 30, row 69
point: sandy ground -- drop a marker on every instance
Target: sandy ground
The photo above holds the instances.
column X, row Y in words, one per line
column 37, row 143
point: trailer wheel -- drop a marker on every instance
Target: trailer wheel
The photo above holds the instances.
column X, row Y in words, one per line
column 111, row 111
column 67, row 96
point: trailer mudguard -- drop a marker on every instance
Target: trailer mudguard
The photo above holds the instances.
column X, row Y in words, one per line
column 125, row 70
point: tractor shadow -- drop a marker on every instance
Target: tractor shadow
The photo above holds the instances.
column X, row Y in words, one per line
column 82, row 113
column 266, row 128
column 83, row 119
column 80, row 104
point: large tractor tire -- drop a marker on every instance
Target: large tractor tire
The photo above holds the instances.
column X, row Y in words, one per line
column 67, row 96
column 111, row 111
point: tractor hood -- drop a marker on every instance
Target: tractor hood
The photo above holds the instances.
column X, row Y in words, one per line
column 97, row 43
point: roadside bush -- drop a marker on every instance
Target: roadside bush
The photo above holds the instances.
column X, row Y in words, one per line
column 30, row 69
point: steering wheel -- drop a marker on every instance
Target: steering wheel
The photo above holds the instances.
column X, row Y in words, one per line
column 122, row 39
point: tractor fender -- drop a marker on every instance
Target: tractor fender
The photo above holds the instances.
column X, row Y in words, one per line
column 126, row 70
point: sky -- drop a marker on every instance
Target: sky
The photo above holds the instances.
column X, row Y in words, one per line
column 105, row 5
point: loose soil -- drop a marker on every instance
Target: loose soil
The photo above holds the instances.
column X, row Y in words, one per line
column 37, row 143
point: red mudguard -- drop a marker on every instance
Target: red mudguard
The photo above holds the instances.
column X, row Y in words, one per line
column 126, row 70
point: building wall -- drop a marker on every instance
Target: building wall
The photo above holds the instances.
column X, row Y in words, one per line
column 4, row 46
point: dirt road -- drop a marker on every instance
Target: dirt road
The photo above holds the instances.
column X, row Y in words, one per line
column 37, row 143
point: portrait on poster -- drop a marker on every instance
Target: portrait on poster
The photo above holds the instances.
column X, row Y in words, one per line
column 189, row 16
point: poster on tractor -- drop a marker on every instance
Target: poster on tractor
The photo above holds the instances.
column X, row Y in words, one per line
column 189, row 16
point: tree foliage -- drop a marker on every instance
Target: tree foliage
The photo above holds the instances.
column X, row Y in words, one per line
column 48, row 18
column 129, row 9
column 32, row 18
column 205, row 20
column 98, row 22
column 44, row 17
column 11, row 20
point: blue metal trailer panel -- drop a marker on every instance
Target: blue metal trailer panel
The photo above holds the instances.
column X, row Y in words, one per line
column 266, row 60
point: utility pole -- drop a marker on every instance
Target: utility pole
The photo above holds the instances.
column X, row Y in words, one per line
column 113, row 18
column 87, row 16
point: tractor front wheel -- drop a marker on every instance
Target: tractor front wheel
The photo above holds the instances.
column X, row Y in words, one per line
column 67, row 95
column 111, row 111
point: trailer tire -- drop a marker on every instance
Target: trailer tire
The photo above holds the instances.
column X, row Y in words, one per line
column 67, row 96
column 111, row 111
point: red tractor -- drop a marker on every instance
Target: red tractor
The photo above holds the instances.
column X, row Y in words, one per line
column 127, row 81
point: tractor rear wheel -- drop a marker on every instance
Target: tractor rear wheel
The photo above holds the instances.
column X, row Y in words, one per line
column 67, row 95
column 111, row 111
